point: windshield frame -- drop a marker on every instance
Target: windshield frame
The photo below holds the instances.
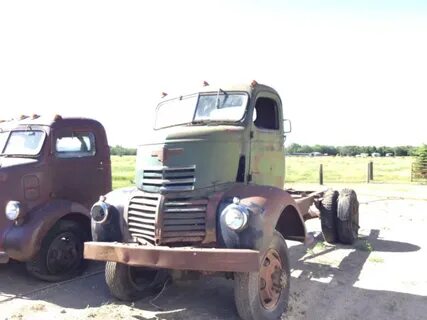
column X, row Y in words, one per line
column 32, row 155
column 7, row 133
column 217, row 93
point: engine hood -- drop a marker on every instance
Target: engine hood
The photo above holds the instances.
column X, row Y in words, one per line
column 13, row 162
column 190, row 158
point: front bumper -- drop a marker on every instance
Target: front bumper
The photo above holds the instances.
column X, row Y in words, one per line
column 4, row 257
column 181, row 258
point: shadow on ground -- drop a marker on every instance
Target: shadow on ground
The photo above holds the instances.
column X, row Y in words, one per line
column 212, row 297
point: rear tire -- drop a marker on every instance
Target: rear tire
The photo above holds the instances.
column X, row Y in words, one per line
column 328, row 216
column 61, row 253
column 128, row 283
column 264, row 295
column 348, row 216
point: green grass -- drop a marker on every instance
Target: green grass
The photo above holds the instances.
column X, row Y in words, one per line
column 306, row 170
column 348, row 169
column 123, row 169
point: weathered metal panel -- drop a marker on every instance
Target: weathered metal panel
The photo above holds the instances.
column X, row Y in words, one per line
column 188, row 258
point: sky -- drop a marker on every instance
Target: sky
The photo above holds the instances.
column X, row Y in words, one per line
column 348, row 72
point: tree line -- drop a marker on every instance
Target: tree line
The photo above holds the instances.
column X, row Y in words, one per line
column 295, row 148
column 399, row 151
column 118, row 150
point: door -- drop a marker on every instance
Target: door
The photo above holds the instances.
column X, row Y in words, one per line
column 79, row 166
column 267, row 150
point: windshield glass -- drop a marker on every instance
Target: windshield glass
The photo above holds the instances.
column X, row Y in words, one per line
column 3, row 138
column 220, row 107
column 27, row 143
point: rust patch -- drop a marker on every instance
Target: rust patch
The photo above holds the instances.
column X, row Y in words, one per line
column 178, row 258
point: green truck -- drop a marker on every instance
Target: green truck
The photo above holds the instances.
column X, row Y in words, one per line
column 209, row 198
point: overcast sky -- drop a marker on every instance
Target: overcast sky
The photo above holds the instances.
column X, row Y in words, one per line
column 348, row 72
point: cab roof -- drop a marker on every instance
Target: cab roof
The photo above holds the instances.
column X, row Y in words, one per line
column 48, row 121
column 248, row 87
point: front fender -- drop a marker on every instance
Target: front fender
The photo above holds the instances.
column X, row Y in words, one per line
column 115, row 227
column 270, row 209
column 22, row 242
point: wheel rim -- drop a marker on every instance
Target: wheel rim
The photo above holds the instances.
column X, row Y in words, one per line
column 64, row 254
column 270, row 279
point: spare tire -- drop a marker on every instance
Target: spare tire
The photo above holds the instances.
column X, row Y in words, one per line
column 348, row 216
column 328, row 215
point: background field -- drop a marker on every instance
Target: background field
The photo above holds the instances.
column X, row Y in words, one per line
column 306, row 170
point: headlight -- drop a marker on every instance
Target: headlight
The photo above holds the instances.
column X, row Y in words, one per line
column 236, row 216
column 13, row 210
column 99, row 212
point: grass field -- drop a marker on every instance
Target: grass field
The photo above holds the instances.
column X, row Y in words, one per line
column 306, row 170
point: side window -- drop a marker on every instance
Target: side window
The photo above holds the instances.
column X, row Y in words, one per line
column 75, row 145
column 265, row 114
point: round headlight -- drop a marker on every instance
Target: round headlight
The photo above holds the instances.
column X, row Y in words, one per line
column 13, row 210
column 236, row 217
column 99, row 212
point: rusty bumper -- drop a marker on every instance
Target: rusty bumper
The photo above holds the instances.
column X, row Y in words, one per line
column 4, row 258
column 183, row 258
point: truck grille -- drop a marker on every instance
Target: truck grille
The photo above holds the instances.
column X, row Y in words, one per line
column 156, row 219
column 184, row 220
column 142, row 216
column 158, row 179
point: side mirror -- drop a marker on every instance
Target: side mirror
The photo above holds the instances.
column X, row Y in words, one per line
column 287, row 126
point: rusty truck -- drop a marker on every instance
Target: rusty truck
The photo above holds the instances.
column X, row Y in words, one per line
column 52, row 169
column 209, row 199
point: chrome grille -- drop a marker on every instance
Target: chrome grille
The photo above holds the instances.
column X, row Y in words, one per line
column 184, row 220
column 142, row 216
column 158, row 179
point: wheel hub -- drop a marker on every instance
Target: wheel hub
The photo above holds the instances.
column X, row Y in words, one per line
column 270, row 279
column 63, row 253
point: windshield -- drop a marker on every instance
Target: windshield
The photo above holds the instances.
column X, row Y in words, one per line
column 221, row 107
column 28, row 143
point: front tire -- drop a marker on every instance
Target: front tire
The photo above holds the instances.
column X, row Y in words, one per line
column 128, row 283
column 61, row 254
column 264, row 295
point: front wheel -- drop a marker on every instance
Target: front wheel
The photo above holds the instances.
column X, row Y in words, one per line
column 61, row 253
column 131, row 283
column 264, row 295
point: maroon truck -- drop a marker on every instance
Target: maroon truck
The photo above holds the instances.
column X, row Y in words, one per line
column 51, row 172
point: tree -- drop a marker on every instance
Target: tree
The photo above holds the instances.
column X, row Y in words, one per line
column 420, row 165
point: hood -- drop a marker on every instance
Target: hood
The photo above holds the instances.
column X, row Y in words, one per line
column 189, row 158
column 12, row 162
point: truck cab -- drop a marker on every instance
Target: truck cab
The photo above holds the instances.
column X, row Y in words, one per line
column 209, row 198
column 52, row 169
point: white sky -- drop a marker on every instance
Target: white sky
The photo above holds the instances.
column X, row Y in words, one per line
column 348, row 72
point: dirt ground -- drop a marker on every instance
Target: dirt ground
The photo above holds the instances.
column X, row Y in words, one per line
column 382, row 276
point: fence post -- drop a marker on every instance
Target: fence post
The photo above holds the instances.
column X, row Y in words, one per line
column 321, row 174
column 370, row 171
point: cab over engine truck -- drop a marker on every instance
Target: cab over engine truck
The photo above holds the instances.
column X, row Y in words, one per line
column 52, row 170
column 209, row 198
